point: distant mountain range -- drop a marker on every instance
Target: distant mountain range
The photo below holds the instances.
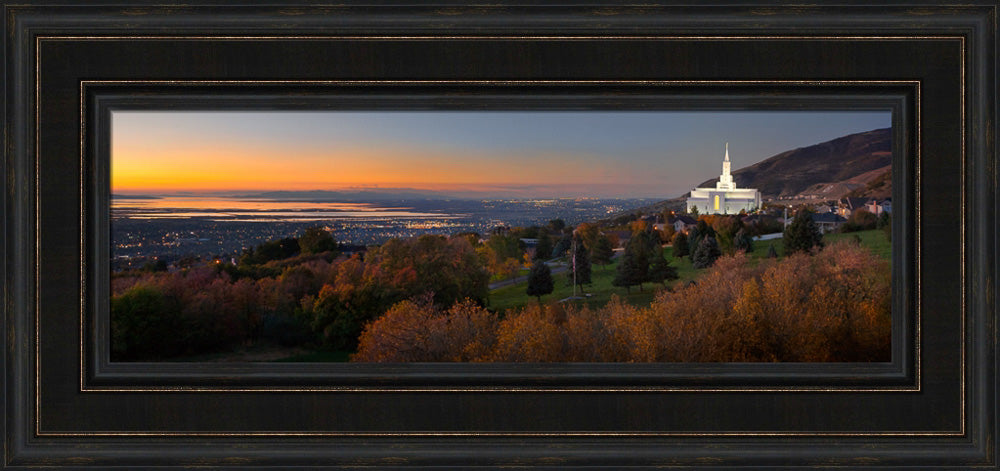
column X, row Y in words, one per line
column 387, row 194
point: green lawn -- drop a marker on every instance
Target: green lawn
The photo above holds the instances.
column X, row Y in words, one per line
column 875, row 240
column 601, row 289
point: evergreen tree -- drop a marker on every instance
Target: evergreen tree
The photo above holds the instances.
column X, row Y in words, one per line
column 802, row 234
column 660, row 269
column 706, row 253
column 680, row 244
column 693, row 239
column 700, row 232
column 743, row 241
column 540, row 281
column 651, row 237
column 636, row 270
column 628, row 272
column 580, row 264
column 543, row 251
column 771, row 253
column 603, row 252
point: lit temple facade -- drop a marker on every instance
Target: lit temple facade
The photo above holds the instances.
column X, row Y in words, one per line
column 725, row 198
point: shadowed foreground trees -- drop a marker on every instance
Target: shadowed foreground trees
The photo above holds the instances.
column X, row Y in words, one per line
column 834, row 306
column 304, row 300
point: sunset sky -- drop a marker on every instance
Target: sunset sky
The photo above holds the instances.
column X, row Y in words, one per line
column 464, row 153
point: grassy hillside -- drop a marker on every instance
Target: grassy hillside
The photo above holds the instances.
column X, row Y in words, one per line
column 601, row 289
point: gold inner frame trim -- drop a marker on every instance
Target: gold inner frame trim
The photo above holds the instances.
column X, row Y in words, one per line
column 507, row 83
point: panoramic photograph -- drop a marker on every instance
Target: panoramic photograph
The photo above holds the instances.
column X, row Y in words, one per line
column 501, row 236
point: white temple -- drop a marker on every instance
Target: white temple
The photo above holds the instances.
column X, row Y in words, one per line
column 725, row 198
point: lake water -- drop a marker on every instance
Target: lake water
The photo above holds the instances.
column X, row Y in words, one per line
column 258, row 210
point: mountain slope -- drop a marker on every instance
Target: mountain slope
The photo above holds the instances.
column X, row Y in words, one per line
column 792, row 172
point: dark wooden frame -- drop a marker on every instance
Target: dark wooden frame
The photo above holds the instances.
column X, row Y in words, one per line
column 66, row 65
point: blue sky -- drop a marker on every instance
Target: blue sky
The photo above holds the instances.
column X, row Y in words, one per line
column 498, row 153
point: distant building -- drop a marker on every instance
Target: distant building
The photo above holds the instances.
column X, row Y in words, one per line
column 725, row 198
column 828, row 222
column 681, row 223
column 622, row 236
column 878, row 207
column 847, row 206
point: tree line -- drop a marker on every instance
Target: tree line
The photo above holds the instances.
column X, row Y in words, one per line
column 833, row 305
column 293, row 292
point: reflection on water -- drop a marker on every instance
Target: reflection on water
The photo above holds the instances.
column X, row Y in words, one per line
column 261, row 210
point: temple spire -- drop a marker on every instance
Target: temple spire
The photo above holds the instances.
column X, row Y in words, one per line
column 726, row 179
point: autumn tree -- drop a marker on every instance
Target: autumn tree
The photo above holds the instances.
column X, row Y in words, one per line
column 270, row 250
column 588, row 233
column 449, row 268
column 409, row 331
column 142, row 320
column 502, row 253
column 471, row 237
column 317, row 240
column 860, row 220
column 667, row 234
column 338, row 319
column 802, row 234
column 725, row 228
column 532, row 334
column 540, row 281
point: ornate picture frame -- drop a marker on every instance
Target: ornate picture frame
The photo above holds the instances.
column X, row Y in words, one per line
column 67, row 66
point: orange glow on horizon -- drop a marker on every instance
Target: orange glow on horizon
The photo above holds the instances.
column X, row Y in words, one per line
column 217, row 168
